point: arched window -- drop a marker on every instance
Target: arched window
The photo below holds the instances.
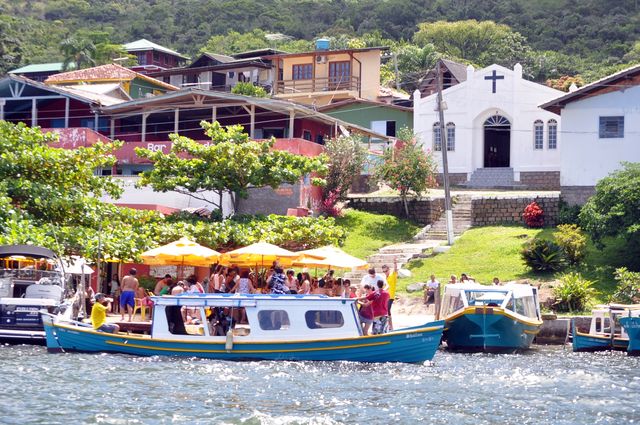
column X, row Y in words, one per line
column 552, row 136
column 451, row 136
column 437, row 140
column 538, row 134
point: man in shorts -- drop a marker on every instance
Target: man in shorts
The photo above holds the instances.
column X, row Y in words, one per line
column 99, row 315
column 129, row 287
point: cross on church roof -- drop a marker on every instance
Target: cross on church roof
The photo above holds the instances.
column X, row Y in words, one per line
column 494, row 77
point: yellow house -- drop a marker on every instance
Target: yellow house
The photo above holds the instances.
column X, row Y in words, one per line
column 324, row 76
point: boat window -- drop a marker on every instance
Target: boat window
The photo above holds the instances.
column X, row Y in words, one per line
column 492, row 298
column 451, row 304
column 529, row 305
column 175, row 320
column 221, row 319
column 273, row 320
column 519, row 306
column 509, row 305
column 318, row 319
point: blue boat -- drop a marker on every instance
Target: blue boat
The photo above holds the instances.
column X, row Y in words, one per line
column 253, row 327
column 600, row 337
column 481, row 318
column 631, row 325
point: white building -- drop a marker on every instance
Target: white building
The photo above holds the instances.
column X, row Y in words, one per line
column 497, row 136
column 600, row 129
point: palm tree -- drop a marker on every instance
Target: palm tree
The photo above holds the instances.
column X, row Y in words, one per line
column 79, row 52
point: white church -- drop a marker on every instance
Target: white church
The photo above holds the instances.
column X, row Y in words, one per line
column 497, row 136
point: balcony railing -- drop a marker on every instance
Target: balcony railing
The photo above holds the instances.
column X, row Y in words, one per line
column 318, row 85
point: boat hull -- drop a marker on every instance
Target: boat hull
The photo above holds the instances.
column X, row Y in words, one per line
column 411, row 345
column 632, row 327
column 583, row 342
column 488, row 330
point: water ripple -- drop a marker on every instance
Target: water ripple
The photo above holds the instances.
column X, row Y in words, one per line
column 549, row 385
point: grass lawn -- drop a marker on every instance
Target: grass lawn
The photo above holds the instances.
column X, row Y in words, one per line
column 369, row 232
column 481, row 253
column 485, row 252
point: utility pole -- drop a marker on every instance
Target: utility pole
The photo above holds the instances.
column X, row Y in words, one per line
column 445, row 165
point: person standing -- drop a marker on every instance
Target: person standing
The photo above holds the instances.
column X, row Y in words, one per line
column 392, row 281
column 277, row 282
column 99, row 315
column 292, row 282
column 114, row 292
column 127, row 297
column 372, row 278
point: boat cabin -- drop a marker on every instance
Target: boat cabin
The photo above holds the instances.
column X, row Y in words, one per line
column 517, row 298
column 30, row 280
column 253, row 317
column 603, row 315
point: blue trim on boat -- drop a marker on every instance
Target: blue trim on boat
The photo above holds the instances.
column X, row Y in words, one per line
column 474, row 332
column 632, row 326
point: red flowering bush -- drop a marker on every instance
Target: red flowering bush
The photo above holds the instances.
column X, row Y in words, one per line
column 533, row 215
column 329, row 205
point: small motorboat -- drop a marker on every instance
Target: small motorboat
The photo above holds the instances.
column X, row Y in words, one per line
column 253, row 327
column 31, row 280
column 600, row 336
column 480, row 318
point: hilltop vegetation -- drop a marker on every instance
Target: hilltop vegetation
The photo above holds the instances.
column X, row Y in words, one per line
column 551, row 37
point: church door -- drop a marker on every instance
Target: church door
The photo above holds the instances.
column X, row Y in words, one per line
column 497, row 141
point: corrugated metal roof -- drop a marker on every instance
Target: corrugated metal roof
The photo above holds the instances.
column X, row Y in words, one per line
column 38, row 67
column 144, row 44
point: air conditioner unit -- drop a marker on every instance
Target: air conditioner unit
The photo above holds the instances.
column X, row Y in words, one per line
column 321, row 59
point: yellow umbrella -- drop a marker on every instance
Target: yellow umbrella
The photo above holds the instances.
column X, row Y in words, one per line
column 183, row 252
column 329, row 257
column 260, row 253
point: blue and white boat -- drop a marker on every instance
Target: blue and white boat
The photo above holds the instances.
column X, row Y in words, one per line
column 600, row 336
column 631, row 326
column 480, row 318
column 31, row 280
column 253, row 327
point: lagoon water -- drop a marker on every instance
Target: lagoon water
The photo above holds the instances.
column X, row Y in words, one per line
column 548, row 385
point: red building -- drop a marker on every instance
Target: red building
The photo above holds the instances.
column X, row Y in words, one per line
column 153, row 57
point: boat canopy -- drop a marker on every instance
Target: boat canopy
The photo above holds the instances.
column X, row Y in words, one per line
column 27, row 251
column 235, row 300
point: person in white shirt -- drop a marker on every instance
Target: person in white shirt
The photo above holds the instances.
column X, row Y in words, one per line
column 372, row 278
column 430, row 290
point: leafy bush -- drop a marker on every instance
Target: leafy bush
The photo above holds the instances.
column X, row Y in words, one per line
column 568, row 214
column 628, row 287
column 543, row 255
column 573, row 292
column 249, row 89
column 573, row 242
column 533, row 215
column 329, row 205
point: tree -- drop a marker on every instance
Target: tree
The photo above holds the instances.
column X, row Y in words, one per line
column 79, row 52
column 235, row 42
column 346, row 157
column 483, row 42
column 614, row 210
column 407, row 167
column 58, row 185
column 232, row 162
column 10, row 46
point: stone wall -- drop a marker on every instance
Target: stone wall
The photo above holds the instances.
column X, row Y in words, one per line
column 421, row 210
column 577, row 195
column 540, row 180
column 455, row 179
column 266, row 200
column 508, row 209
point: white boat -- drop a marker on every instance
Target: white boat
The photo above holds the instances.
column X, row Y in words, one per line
column 253, row 327
column 31, row 280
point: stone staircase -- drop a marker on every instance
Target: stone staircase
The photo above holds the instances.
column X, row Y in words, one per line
column 492, row 178
column 403, row 253
column 461, row 221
